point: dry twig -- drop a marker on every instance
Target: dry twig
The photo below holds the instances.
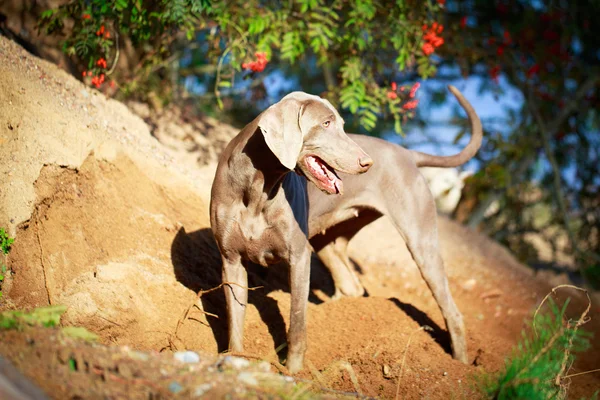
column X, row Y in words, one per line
column 582, row 320
column 276, row 364
column 199, row 295
column 37, row 231
column 421, row 328
column 338, row 366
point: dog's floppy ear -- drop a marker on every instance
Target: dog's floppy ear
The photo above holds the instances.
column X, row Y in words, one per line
column 280, row 126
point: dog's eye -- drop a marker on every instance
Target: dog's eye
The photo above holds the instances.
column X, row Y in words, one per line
column 326, row 124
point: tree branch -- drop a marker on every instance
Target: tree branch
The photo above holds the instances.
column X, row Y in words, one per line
column 547, row 132
column 328, row 76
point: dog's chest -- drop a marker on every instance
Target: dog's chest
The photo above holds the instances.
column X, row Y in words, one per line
column 263, row 238
column 267, row 234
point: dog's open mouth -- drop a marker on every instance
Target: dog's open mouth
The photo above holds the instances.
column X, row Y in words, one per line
column 324, row 176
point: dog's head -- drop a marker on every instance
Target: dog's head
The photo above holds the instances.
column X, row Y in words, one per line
column 306, row 134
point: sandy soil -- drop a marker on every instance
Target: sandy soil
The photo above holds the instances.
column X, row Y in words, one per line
column 113, row 223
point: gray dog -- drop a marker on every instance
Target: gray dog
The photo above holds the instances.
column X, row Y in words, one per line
column 393, row 187
column 258, row 209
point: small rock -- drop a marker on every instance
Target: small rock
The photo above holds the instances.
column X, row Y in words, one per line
column 469, row 284
column 175, row 387
column 386, row 371
column 187, row 357
column 445, row 373
column 264, row 366
column 127, row 371
column 248, row 378
column 236, row 362
column 202, row 389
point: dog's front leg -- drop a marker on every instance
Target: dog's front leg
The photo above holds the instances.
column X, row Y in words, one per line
column 235, row 279
column 300, row 283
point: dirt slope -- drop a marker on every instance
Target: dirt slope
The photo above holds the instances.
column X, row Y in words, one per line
column 110, row 222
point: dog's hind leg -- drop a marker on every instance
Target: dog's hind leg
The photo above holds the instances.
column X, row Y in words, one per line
column 332, row 248
column 335, row 257
column 422, row 242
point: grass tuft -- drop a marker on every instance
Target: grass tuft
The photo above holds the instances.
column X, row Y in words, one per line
column 538, row 367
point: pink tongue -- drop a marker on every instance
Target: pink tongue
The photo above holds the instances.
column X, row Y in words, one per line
column 331, row 183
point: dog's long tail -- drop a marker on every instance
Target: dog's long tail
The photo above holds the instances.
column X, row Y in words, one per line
column 428, row 160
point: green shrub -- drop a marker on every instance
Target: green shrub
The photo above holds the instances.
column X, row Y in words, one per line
column 5, row 242
column 43, row 316
column 2, row 272
column 538, row 366
column 47, row 317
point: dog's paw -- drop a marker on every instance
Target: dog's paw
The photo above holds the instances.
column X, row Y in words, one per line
column 294, row 364
column 353, row 291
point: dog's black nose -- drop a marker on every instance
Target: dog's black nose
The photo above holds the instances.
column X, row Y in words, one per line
column 365, row 162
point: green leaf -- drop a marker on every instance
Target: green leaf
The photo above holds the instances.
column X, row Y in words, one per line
column 459, row 136
column 5, row 241
column 47, row 14
column 120, row 5
column 292, row 46
column 330, row 34
column 367, row 121
column 398, row 127
column 333, row 15
column 308, row 4
column 256, row 25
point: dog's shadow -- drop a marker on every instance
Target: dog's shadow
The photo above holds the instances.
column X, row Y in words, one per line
column 439, row 335
column 197, row 265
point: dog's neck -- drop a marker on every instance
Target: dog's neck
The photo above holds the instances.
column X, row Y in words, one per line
column 265, row 162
